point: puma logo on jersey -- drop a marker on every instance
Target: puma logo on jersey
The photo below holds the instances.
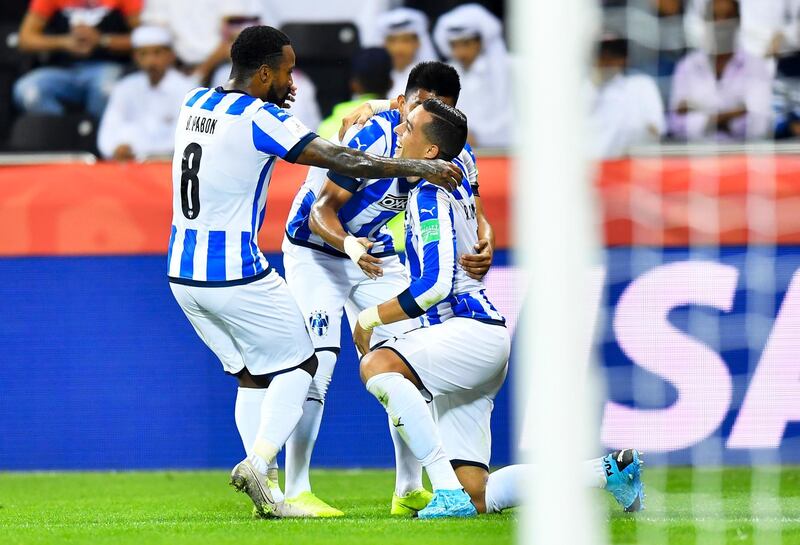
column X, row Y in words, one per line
column 357, row 141
column 426, row 210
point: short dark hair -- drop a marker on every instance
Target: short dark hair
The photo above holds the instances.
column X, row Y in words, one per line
column 448, row 129
column 437, row 77
column 256, row 46
column 372, row 67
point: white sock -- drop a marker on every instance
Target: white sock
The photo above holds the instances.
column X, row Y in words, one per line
column 594, row 473
column 410, row 415
column 301, row 444
column 504, row 487
column 247, row 414
column 273, row 479
column 280, row 411
column 408, row 470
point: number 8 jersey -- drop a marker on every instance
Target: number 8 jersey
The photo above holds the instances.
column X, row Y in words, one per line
column 226, row 146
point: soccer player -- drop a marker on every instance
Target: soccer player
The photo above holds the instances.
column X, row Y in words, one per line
column 458, row 357
column 335, row 217
column 227, row 143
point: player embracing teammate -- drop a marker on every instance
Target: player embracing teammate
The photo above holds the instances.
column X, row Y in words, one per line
column 227, row 142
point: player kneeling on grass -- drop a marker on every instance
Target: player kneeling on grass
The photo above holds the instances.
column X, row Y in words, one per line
column 458, row 358
column 227, row 142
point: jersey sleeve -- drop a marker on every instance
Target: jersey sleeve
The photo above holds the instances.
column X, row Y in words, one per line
column 277, row 132
column 470, row 168
column 370, row 139
column 433, row 218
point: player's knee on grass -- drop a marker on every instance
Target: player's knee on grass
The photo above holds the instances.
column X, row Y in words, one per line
column 384, row 361
column 474, row 480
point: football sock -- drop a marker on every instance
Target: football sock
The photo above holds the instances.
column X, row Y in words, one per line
column 504, row 488
column 301, row 444
column 247, row 414
column 408, row 470
column 280, row 411
column 409, row 414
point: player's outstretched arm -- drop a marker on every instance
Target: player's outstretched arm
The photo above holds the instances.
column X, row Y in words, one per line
column 324, row 221
column 321, row 153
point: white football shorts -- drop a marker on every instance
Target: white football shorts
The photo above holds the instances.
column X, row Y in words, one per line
column 255, row 325
column 325, row 285
column 461, row 364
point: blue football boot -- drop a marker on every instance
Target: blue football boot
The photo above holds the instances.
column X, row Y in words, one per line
column 448, row 503
column 624, row 478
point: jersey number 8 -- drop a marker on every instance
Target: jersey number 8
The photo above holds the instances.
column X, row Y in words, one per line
column 190, row 183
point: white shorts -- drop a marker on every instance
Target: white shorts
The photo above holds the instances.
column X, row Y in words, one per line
column 325, row 285
column 255, row 325
column 461, row 365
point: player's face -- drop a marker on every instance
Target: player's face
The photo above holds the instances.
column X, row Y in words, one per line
column 154, row 60
column 408, row 103
column 281, row 82
column 402, row 48
column 466, row 51
column 412, row 143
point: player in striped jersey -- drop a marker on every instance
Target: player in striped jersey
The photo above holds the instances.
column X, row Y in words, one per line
column 349, row 214
column 227, row 143
column 442, row 360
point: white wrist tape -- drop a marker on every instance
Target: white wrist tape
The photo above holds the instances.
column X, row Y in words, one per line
column 369, row 318
column 379, row 106
column 353, row 248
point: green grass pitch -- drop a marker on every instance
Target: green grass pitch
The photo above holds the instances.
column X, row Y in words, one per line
column 180, row 507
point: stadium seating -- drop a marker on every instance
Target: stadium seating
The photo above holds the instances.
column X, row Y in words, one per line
column 324, row 51
column 70, row 132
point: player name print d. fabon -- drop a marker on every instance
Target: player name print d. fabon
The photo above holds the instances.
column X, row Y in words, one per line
column 201, row 124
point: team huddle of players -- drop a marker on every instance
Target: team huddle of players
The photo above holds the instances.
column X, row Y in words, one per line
column 435, row 350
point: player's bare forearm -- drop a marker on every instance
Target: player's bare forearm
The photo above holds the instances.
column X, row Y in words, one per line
column 391, row 312
column 324, row 218
column 485, row 230
column 477, row 265
column 357, row 164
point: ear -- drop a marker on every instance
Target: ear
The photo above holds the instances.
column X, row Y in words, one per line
column 401, row 100
column 432, row 152
column 264, row 73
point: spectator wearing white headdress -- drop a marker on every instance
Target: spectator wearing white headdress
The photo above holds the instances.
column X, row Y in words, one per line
column 472, row 39
column 139, row 121
column 406, row 37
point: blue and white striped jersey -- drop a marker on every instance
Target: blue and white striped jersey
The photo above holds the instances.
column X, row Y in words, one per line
column 226, row 146
column 374, row 202
column 441, row 226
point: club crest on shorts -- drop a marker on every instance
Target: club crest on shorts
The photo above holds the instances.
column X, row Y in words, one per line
column 318, row 323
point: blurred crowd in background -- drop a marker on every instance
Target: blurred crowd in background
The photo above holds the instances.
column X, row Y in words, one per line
column 108, row 76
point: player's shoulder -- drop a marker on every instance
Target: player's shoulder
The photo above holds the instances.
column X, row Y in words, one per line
column 467, row 155
column 376, row 133
column 194, row 95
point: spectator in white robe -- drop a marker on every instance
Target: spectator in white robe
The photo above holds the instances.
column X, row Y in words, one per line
column 407, row 39
column 471, row 38
column 139, row 121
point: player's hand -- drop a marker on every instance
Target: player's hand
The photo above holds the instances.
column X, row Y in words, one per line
column 477, row 265
column 444, row 174
column 362, row 339
column 369, row 263
column 358, row 117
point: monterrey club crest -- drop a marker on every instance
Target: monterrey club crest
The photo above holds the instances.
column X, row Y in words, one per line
column 318, row 323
